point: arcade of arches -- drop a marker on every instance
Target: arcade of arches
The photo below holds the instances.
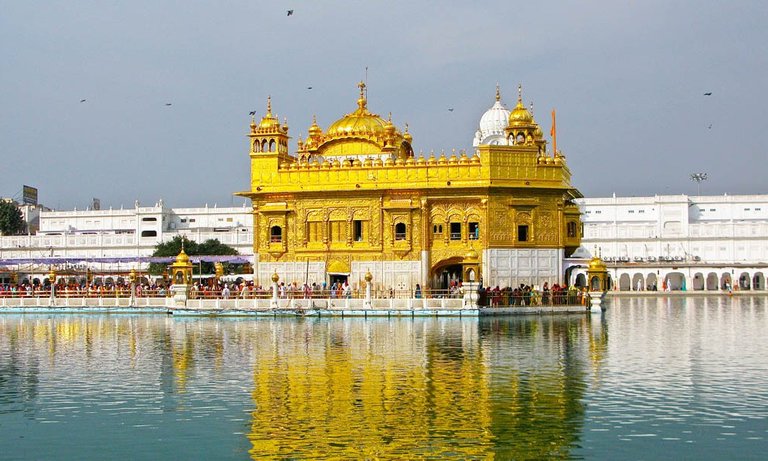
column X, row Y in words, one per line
column 695, row 279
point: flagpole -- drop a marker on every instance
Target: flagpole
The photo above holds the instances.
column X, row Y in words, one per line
column 553, row 133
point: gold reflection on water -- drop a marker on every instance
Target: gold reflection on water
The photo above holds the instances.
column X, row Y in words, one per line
column 371, row 390
column 363, row 389
column 359, row 391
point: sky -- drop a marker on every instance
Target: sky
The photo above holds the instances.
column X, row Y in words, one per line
column 626, row 77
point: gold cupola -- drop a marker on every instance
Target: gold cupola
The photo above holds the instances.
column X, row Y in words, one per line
column 522, row 129
column 181, row 269
column 360, row 133
column 520, row 115
column 269, row 136
column 269, row 121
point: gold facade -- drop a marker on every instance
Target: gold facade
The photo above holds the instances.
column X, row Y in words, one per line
column 356, row 193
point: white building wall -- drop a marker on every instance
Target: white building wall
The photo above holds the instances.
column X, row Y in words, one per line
column 129, row 232
column 509, row 267
column 680, row 234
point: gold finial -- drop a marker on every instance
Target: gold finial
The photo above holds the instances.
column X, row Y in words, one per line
column 406, row 127
column 389, row 119
column 269, row 105
column 498, row 92
column 361, row 102
column 531, row 108
column 519, row 93
column 182, row 245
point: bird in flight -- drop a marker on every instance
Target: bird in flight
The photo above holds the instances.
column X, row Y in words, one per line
column 708, row 93
column 709, row 127
column 450, row 110
column 309, row 87
column 167, row 103
column 82, row 100
column 290, row 13
column 253, row 112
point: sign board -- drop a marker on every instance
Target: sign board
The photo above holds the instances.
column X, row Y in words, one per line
column 29, row 195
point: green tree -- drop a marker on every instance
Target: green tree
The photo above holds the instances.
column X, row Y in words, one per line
column 11, row 222
column 211, row 247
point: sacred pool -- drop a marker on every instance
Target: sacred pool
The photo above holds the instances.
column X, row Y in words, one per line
column 652, row 378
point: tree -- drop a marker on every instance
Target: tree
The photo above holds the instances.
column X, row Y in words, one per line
column 11, row 221
column 211, row 247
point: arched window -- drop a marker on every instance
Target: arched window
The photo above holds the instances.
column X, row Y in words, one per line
column 272, row 145
column 276, row 234
column 400, row 231
column 264, row 145
column 474, row 231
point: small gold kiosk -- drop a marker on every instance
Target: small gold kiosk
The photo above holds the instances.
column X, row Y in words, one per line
column 181, row 279
column 597, row 282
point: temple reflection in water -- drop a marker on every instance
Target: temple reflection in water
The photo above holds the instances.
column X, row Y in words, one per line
column 343, row 388
column 461, row 389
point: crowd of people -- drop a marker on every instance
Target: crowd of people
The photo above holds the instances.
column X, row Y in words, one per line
column 523, row 295
column 527, row 295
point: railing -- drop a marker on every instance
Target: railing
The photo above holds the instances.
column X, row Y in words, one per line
column 219, row 293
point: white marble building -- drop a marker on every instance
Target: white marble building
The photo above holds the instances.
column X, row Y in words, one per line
column 129, row 232
column 679, row 242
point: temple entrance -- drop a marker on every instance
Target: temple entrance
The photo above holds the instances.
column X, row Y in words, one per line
column 338, row 279
column 446, row 275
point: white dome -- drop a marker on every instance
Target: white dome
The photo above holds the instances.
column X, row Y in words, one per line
column 494, row 120
column 492, row 124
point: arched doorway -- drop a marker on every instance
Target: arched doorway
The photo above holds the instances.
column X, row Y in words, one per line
column 624, row 282
column 758, row 281
column 712, row 281
column 652, row 284
column 675, row 281
column 447, row 273
column 581, row 280
column 637, row 282
column 725, row 281
column 698, row 281
column 744, row 281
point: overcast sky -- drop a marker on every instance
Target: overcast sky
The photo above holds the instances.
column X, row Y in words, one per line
column 627, row 79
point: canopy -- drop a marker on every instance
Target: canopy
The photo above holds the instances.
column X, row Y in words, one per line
column 236, row 259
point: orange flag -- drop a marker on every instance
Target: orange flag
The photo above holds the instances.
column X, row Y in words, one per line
column 553, row 132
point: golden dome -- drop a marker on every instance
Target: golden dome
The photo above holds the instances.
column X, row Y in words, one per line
column 520, row 115
column 269, row 120
column 362, row 133
column 471, row 254
column 315, row 129
column 596, row 265
column 360, row 121
column 182, row 257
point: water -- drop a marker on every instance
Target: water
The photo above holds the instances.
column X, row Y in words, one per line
column 652, row 379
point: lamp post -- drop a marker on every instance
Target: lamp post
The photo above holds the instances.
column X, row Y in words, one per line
column 273, row 304
column 698, row 177
column 368, row 280
column 132, row 278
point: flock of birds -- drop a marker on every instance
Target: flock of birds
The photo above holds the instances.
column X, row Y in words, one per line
column 450, row 109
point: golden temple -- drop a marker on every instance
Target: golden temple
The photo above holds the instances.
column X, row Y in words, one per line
column 355, row 198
